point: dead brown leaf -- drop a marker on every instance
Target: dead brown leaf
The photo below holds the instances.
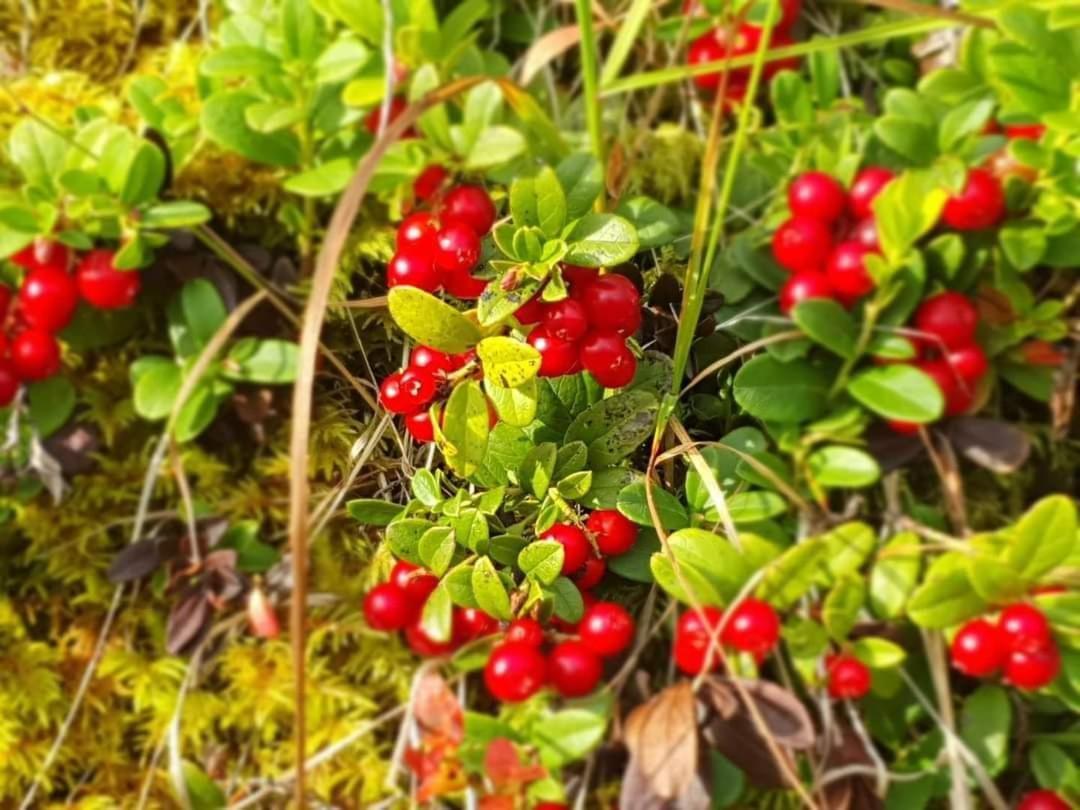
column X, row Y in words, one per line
column 662, row 736
column 998, row 446
column 548, row 48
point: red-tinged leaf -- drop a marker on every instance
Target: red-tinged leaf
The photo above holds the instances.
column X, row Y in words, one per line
column 188, row 619
column 438, row 771
column 437, row 709
column 503, row 766
column 135, row 561
column 498, row 803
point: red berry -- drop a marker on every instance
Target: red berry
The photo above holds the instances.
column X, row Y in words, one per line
column 958, row 394
column 48, row 298
column 846, row 271
column 803, row 286
column 950, row 317
column 391, row 396
column 706, row 48
column 397, row 107
column 420, row 426
column 752, row 627
column 103, row 286
column 387, row 607
column 903, row 428
column 472, row 623
column 9, row 383
column 802, row 245
column 606, row 356
column 969, row 362
column 576, row 548
column 1024, row 627
column 693, row 647
column 573, row 669
column 980, row 205
column 978, row 649
column 412, row 269
column 429, row 181
column 417, row 231
column 849, row 679
column 514, row 672
column 1031, row 670
column 612, row 303
column 262, row 619
column 551, row 806
column 463, row 285
column 1032, row 132
column 566, row 320
column 557, row 357
column 43, row 253
column 590, row 574
column 471, row 205
column 431, row 361
column 606, row 629
column 865, row 233
column 457, row 247
column 868, row 184
column 1042, row 800
column 424, row 645
column 532, row 311
column 5, row 300
column 789, row 15
column 527, row 631
column 35, row 355
column 578, row 278
column 418, row 388
column 615, row 533
column 414, row 580
column 816, row 195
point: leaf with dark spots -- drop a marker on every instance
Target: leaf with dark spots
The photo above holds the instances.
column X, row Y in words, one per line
column 662, row 735
column 135, row 561
column 187, row 620
column 998, row 446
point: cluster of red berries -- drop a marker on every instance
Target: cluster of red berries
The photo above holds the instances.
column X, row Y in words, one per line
column 1043, row 800
column 518, row 667
column 742, row 39
column 439, row 249
column 45, row 304
column 411, row 391
column 397, row 604
column 583, row 559
column 1020, row 645
column 753, row 627
column 948, row 353
column 588, row 329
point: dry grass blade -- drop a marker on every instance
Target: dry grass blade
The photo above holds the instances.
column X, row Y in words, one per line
column 548, row 48
column 923, row 10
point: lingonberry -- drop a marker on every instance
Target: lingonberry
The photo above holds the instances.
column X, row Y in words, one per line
column 387, row 607
column 566, row 320
column 573, row 669
column 706, row 48
column 948, row 316
column 414, row 580
column 457, row 247
column 463, row 285
column 430, row 181
column 578, row 278
column 392, row 397
column 1024, row 627
column 514, row 672
column 803, row 286
column 9, row 383
column 417, row 231
column 969, row 362
column 431, row 361
column 471, row 205
column 551, row 806
column 959, row 394
column 424, row 645
column 532, row 311
column 613, row 303
column 590, row 574
column 816, row 195
column 5, row 300
column 1032, row 669
column 527, row 631
column 868, row 184
column 615, row 533
column 1042, row 353
column 35, row 355
column 789, row 15
column 418, row 387
column 43, row 253
column 412, row 268
column 576, row 548
column 802, row 245
column 980, row 205
column 606, row 629
column 397, row 107
column 557, row 357
column 472, row 623
column 1042, row 800
column 752, row 627
column 694, row 648
column 48, row 298
column 606, row 356
column 846, row 271
column 848, row 677
column 865, row 233
column 978, row 649
column 103, row 286
column 1031, row 132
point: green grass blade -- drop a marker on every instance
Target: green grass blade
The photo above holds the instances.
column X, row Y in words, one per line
column 624, row 40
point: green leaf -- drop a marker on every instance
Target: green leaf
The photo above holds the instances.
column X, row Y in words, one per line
column 252, row 555
column 322, row 180
column 842, row 606
column 515, row 406
column 895, row 575
column 342, row 60
column 781, row 392
column 994, row 580
column 839, row 466
column 656, row 224
column 601, row 240
column 878, row 653
column 944, row 601
column 606, row 486
column 52, row 402
column 827, row 323
column 425, row 488
column 204, row 311
column 373, row 511
column 582, row 178
column 792, row 574
column 566, row 600
column 707, row 562
column 436, row 619
column 966, row 119
column 239, row 61
column 472, row 530
column 38, row 152
column 496, row 145
column 224, row 122
column 403, row 538
column 174, row 214
column 464, row 435
column 497, row 304
column 568, row 736
column 847, row 547
column 574, row 486
column 899, row 392
column 634, row 564
column 750, row 507
column 539, row 201
column 985, row 725
column 144, row 175
column 1043, row 537
column 203, row 793
column 1024, row 244
column 634, row 505
column 1054, row 769
column 508, row 362
column 301, row 28
column 267, row 361
column 537, row 468
column 907, row 209
column 542, row 560
column 436, row 549
column 200, row 409
column 156, row 383
column 615, row 427
column 431, row 322
column 722, row 462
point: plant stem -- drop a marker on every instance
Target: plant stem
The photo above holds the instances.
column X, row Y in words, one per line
column 591, row 81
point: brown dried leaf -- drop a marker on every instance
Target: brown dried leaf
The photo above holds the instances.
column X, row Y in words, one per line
column 1063, row 397
column 998, row 446
column 549, row 47
column 891, row 450
column 852, row 792
column 662, row 736
column 637, row 794
column 186, row 620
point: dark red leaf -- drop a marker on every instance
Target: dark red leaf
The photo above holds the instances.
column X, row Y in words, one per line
column 187, row 621
column 135, row 561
